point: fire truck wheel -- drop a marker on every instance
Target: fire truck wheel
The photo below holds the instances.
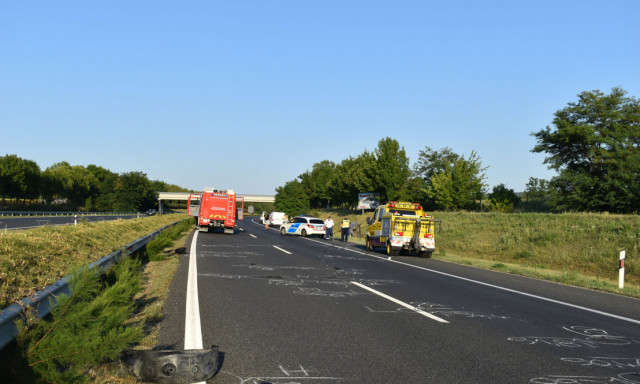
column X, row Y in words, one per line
column 303, row 233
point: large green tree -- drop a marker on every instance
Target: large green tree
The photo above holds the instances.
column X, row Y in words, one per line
column 594, row 146
column 392, row 169
column 74, row 183
column 316, row 183
column 292, row 198
column 458, row 183
column 452, row 182
column 429, row 163
column 103, row 197
column 134, row 192
column 19, row 178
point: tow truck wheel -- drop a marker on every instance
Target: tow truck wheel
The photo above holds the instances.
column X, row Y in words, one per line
column 303, row 233
column 369, row 247
column 424, row 254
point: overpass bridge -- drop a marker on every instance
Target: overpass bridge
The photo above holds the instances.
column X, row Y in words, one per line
column 184, row 196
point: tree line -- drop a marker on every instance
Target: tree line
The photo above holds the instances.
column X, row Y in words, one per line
column 75, row 187
column 593, row 145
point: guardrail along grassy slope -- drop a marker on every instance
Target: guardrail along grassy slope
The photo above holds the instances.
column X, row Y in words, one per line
column 34, row 258
column 579, row 249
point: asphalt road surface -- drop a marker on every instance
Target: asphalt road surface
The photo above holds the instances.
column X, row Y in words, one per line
column 286, row 309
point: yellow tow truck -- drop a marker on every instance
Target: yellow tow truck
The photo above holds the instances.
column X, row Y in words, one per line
column 402, row 226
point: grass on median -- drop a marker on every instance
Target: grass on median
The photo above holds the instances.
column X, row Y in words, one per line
column 145, row 288
column 34, row 258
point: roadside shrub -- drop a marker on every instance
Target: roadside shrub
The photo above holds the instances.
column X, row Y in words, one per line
column 166, row 238
column 86, row 328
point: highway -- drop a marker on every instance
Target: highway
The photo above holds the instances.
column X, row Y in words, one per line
column 285, row 309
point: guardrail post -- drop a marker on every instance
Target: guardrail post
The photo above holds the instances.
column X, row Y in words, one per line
column 621, row 270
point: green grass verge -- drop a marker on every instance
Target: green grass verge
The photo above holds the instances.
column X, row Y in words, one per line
column 34, row 258
column 580, row 249
column 104, row 316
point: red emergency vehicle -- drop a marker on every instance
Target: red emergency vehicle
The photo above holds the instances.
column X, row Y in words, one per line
column 215, row 209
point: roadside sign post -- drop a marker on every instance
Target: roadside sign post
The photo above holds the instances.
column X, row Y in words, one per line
column 621, row 271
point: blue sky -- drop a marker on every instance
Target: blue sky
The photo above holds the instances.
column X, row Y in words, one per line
column 247, row 95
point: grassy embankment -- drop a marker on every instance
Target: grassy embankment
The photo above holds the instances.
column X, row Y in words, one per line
column 34, row 258
column 580, row 249
column 56, row 251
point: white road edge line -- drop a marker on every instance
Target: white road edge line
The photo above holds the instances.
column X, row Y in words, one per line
column 411, row 307
column 192, row 328
column 280, row 249
column 611, row 315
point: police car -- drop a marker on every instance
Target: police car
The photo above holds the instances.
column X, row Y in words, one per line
column 303, row 226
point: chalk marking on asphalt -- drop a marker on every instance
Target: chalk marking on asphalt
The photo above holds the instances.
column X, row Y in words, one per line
column 607, row 314
column 192, row 328
column 586, row 309
column 280, row 249
column 411, row 307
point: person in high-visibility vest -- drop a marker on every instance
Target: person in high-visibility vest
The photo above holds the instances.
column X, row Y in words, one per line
column 344, row 226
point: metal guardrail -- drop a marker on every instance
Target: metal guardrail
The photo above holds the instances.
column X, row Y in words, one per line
column 44, row 301
column 65, row 213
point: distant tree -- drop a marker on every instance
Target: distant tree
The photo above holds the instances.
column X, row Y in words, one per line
column 161, row 186
column 342, row 187
column 414, row 190
column 352, row 176
column 452, row 182
column 75, row 183
column 292, row 198
column 595, row 147
column 392, row 169
column 104, row 195
column 535, row 189
column 321, row 174
column 134, row 193
column 19, row 178
column 503, row 199
column 429, row 163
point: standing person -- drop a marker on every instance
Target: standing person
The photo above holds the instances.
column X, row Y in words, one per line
column 328, row 225
column 266, row 220
column 345, row 228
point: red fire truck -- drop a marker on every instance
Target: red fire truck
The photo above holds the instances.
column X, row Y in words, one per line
column 215, row 209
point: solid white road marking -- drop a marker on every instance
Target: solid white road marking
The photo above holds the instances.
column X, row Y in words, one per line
column 411, row 307
column 492, row 285
column 280, row 249
column 192, row 329
column 252, row 235
column 611, row 315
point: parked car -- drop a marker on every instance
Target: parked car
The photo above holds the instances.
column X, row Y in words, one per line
column 303, row 226
column 151, row 212
column 276, row 219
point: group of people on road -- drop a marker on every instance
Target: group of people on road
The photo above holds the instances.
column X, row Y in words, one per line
column 345, row 225
column 344, row 228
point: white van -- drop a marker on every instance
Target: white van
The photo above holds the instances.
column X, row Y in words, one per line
column 276, row 219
